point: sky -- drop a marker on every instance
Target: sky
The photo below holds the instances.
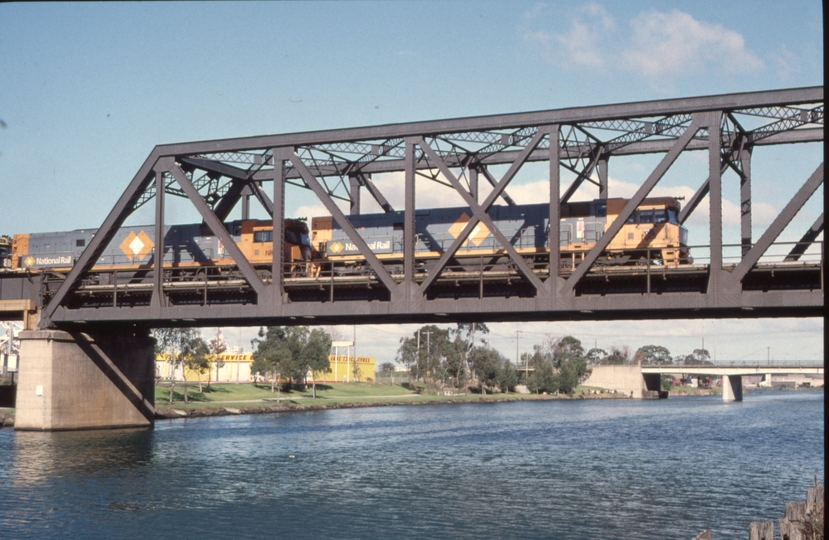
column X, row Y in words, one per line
column 88, row 89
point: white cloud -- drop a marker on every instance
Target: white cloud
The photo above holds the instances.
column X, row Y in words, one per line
column 676, row 44
column 785, row 63
column 662, row 47
column 580, row 44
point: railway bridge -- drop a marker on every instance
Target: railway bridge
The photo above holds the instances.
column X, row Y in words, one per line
column 87, row 313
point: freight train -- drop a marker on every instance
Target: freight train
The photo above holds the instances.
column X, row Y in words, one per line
column 651, row 233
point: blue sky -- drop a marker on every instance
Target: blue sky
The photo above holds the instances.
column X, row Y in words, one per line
column 87, row 90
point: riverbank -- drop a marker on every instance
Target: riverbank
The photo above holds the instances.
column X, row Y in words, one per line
column 341, row 396
column 249, row 398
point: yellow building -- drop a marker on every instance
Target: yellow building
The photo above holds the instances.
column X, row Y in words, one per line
column 343, row 369
column 229, row 368
column 236, row 368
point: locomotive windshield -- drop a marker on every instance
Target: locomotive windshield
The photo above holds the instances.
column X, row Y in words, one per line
column 667, row 215
column 292, row 237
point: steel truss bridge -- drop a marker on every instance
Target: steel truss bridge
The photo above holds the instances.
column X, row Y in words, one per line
column 458, row 155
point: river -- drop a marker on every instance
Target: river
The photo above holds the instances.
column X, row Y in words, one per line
column 580, row 469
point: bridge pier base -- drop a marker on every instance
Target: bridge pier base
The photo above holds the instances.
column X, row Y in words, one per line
column 73, row 381
column 732, row 388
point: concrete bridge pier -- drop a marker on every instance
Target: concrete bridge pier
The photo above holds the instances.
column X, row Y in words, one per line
column 732, row 388
column 79, row 381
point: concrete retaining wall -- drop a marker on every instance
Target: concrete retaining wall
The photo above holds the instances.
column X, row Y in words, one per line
column 625, row 379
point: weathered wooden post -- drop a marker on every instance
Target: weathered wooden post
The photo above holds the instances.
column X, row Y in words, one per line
column 803, row 521
column 761, row 530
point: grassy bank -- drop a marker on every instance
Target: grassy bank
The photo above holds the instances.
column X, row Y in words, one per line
column 253, row 398
column 240, row 393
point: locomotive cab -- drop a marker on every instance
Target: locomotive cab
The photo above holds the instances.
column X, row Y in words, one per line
column 257, row 243
column 5, row 252
column 652, row 231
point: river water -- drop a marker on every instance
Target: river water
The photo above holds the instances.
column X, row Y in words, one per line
column 581, row 469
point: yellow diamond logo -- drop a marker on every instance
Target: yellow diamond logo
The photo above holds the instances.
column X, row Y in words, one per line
column 335, row 248
column 137, row 246
column 29, row 261
column 478, row 234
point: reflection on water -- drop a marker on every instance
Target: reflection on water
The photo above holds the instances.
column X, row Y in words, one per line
column 580, row 469
column 39, row 457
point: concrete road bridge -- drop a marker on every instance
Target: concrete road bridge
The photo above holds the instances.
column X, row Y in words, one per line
column 531, row 271
column 646, row 381
column 732, row 376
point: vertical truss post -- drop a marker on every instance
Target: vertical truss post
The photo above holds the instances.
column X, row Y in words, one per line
column 745, row 198
column 473, row 183
column 246, row 207
column 280, row 156
column 157, row 301
column 553, row 239
column 603, row 192
column 409, row 223
column 354, row 195
column 713, row 120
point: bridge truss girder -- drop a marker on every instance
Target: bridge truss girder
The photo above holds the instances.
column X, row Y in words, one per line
column 217, row 175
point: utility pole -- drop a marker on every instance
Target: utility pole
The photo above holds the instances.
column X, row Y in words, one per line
column 428, row 347
column 354, row 347
column 517, row 341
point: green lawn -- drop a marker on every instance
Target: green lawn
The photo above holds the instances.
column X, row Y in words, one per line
column 236, row 393
column 328, row 395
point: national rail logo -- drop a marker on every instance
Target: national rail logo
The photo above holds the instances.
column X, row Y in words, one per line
column 137, row 246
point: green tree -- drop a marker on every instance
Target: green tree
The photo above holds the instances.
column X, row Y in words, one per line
column 700, row 357
column 543, row 378
column 559, row 365
column 197, row 358
column 183, row 347
column 653, row 355
column 485, row 363
column 618, row 356
column 217, row 346
column 271, row 356
column 292, row 352
column 315, row 353
column 570, row 361
column 507, row 377
column 596, row 356
column 427, row 353
column 387, row 367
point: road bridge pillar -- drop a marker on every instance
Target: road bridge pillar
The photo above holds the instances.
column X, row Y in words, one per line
column 732, row 388
column 79, row 381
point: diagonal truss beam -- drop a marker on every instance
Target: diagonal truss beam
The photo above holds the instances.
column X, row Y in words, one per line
column 697, row 197
column 493, row 183
column 631, row 205
column 365, row 180
column 218, row 228
column 806, row 241
column 776, row 227
column 582, row 176
column 480, row 211
column 119, row 213
column 344, row 222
